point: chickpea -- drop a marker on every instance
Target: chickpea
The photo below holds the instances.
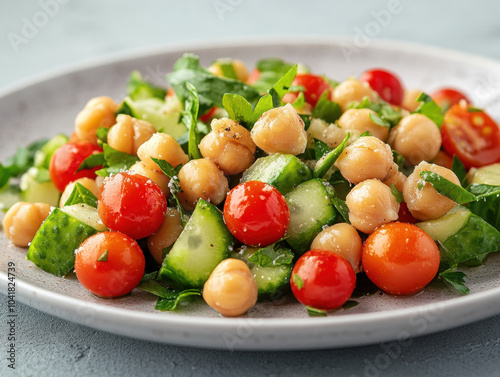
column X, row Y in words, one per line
column 239, row 67
column 201, row 179
column 342, row 239
column 398, row 180
column 231, row 289
column 371, row 204
column 443, row 159
column 280, row 130
column 98, row 112
column 229, row 145
column 128, row 134
column 164, row 147
column 169, row 231
column 88, row 183
column 417, row 138
column 427, row 204
column 410, row 102
column 359, row 119
column 155, row 175
column 352, row 90
column 367, row 157
column 330, row 134
column 22, row 220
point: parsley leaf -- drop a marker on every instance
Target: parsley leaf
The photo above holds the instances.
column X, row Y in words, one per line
column 189, row 118
column 459, row 169
column 488, row 204
column 137, row 88
column 297, row 280
column 313, row 312
column 384, row 110
column 271, row 70
column 327, row 110
column 81, row 194
column 341, row 206
column 168, row 299
column 325, row 163
column 430, row 109
column 447, row 188
column 320, row 149
column 397, row 194
column 456, row 279
column 227, row 68
column 114, row 161
column 272, row 256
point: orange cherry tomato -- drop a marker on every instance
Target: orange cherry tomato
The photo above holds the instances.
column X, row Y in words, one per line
column 400, row 258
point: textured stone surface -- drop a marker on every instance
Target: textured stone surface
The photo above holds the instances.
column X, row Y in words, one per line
column 48, row 346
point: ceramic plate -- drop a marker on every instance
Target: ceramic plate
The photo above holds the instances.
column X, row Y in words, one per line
column 47, row 105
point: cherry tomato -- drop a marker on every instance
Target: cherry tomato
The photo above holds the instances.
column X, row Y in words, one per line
column 206, row 117
column 448, row 97
column 471, row 135
column 322, row 279
column 400, row 258
column 109, row 264
column 132, row 204
column 256, row 213
column 67, row 159
column 314, row 86
column 254, row 77
column 386, row 84
column 404, row 214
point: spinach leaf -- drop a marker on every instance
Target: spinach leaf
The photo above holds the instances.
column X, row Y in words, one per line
column 447, row 188
column 459, row 169
column 81, row 194
column 326, row 162
column 430, row 109
column 456, row 279
column 327, row 110
column 488, row 204
column 272, row 256
column 137, row 88
column 189, row 118
column 168, row 299
column 271, row 70
column 112, row 161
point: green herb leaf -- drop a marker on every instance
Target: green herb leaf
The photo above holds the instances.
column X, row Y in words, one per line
column 379, row 121
column 271, row 70
column 272, row 256
column 487, row 205
column 300, row 101
column 102, row 134
column 168, row 299
column 397, row 194
column 81, row 194
column 137, row 88
column 313, row 312
column 320, row 149
column 189, row 118
column 238, row 108
column 124, row 108
column 447, row 188
column 383, row 109
column 103, row 257
column 92, row 161
column 297, row 280
column 350, row 304
column 114, row 161
column 341, row 206
column 430, row 109
column 460, row 171
column 327, row 110
column 42, row 175
column 456, row 279
column 166, row 168
column 472, row 109
column 326, row 162
column 227, row 68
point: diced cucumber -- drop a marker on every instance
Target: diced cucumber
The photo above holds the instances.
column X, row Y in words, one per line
column 164, row 116
column 36, row 190
column 43, row 156
column 9, row 195
column 310, row 210
column 271, row 281
column 462, row 236
column 53, row 247
column 488, row 175
column 86, row 214
column 202, row 245
column 283, row 171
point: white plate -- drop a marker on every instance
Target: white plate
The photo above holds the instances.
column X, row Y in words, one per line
column 48, row 104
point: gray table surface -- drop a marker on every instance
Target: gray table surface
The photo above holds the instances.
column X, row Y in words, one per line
column 73, row 31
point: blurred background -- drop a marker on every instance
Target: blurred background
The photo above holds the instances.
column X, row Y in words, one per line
column 48, row 35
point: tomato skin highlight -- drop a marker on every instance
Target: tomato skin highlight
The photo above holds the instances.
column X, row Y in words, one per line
column 314, row 86
column 132, row 204
column 471, row 135
column 256, row 213
column 386, row 84
column 116, row 276
column 67, row 159
column 322, row 279
column 447, row 97
column 400, row 258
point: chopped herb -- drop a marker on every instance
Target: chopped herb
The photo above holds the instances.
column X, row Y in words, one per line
column 327, row 110
column 272, row 256
column 168, row 299
column 114, row 161
column 379, row 121
column 81, row 194
column 102, row 134
column 313, row 312
column 341, row 206
column 384, row 110
column 397, row 194
column 320, row 149
column 350, row 304
column 456, row 279
column 137, row 88
column 300, row 101
column 430, row 109
column 460, row 171
column 227, row 68
column 325, row 163
column 103, row 257
column 472, row 109
column 189, row 118
column 297, row 280
column 447, row 188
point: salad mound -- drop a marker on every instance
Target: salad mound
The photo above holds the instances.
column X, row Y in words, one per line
column 241, row 187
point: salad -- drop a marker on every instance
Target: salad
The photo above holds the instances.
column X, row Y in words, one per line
column 240, row 187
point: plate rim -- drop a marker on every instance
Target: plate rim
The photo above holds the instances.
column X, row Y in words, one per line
column 28, row 292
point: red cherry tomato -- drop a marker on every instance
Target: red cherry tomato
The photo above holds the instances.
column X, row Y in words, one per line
column 66, row 161
column 206, row 117
column 471, row 135
column 256, row 213
column 404, row 215
column 132, row 204
column 109, row 264
column 254, row 77
column 448, row 97
column 322, row 279
column 314, row 86
column 400, row 258
column 386, row 84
